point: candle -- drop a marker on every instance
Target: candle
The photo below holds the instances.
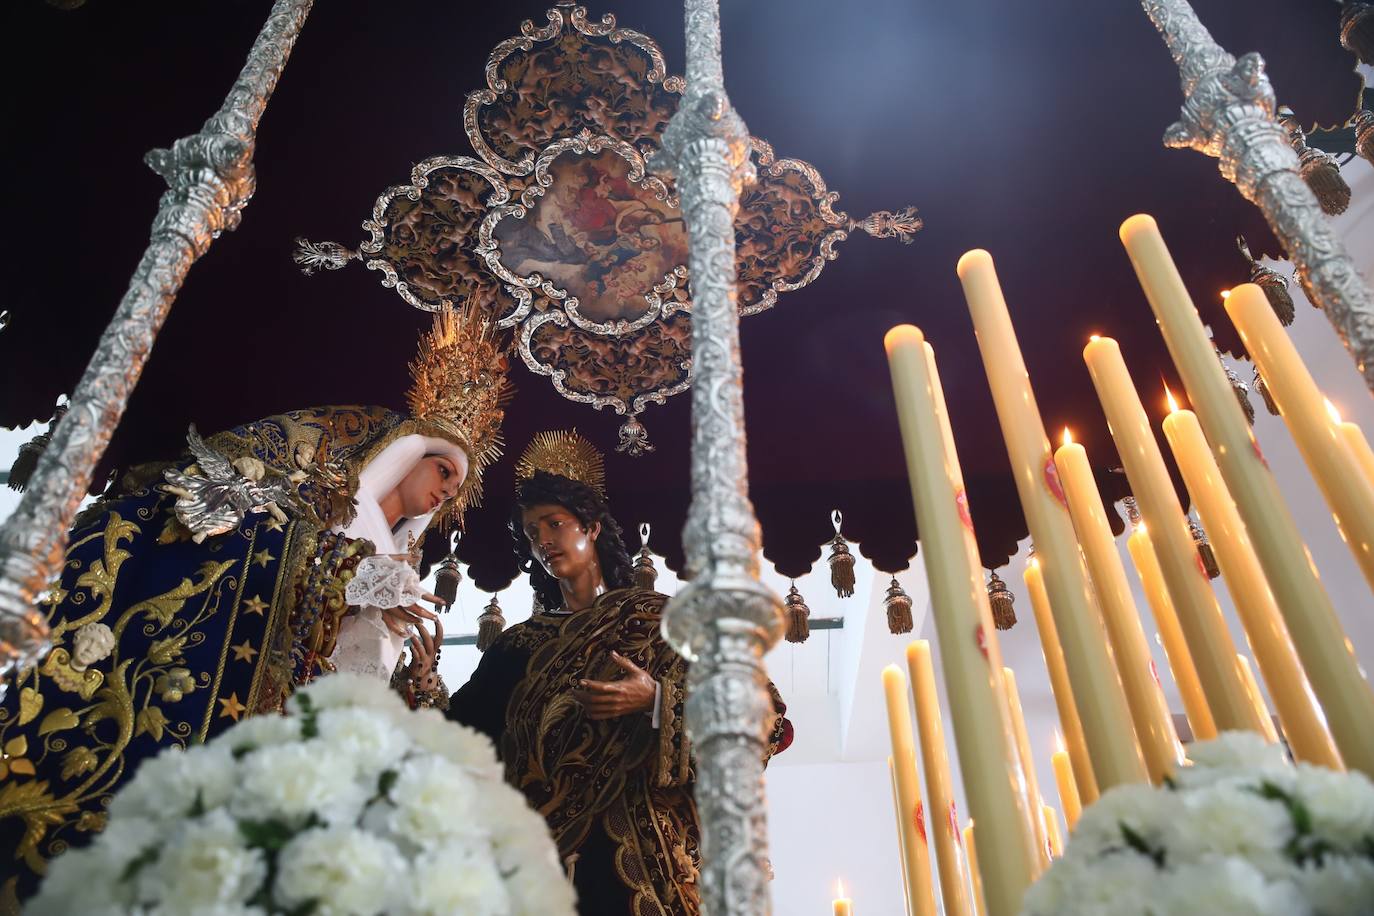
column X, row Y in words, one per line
column 1347, row 491
column 1032, row 788
column 975, row 876
column 1059, row 682
column 1052, row 829
column 1313, row 625
column 1154, row 728
column 1190, row 591
column 1063, row 778
column 935, row 758
column 1171, row 635
column 1355, row 440
column 1096, row 687
column 1247, row 674
column 901, row 838
column 1254, row 601
column 842, row 904
column 969, row 653
column 916, row 857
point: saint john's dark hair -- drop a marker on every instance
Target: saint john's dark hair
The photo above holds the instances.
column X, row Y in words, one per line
column 589, row 507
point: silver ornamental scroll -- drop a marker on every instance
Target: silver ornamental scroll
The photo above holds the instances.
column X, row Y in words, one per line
column 1229, row 112
column 724, row 620
column 209, row 179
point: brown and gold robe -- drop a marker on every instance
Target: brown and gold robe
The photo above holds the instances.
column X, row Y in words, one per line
column 617, row 793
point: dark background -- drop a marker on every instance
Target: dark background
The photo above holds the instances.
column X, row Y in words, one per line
column 1029, row 129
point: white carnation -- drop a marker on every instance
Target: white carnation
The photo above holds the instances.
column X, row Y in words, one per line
column 371, row 742
column 1341, row 805
column 173, row 784
column 1146, row 810
column 435, row 804
column 90, row 880
column 293, row 781
column 1341, row 887
column 1118, row 884
column 463, row 745
column 260, row 731
column 346, row 871
column 1240, row 750
column 1221, row 886
column 205, row 864
column 457, row 879
column 1229, row 821
column 345, row 690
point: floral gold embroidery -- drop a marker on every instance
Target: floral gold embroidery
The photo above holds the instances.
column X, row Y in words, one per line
column 30, row 703
column 13, row 759
column 59, row 720
column 174, row 685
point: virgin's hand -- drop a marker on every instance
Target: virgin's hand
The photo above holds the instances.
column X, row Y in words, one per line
column 399, row 619
column 633, row 693
column 424, row 650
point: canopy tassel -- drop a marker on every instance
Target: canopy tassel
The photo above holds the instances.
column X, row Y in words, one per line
column 798, row 616
column 841, row 560
column 490, row 623
column 898, row 604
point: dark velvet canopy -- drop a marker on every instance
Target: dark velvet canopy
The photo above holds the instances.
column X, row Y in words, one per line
column 1028, row 129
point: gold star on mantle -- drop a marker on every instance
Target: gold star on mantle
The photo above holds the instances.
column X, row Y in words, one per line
column 262, row 558
column 255, row 605
column 244, row 653
column 231, row 707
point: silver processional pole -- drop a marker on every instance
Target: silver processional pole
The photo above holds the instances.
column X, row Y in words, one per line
column 1229, row 112
column 724, row 620
column 210, row 179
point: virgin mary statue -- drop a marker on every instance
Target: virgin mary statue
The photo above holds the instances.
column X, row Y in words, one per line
column 204, row 589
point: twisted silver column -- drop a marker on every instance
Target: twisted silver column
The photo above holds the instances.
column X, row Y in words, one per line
column 210, row 179
column 724, row 620
column 1229, row 113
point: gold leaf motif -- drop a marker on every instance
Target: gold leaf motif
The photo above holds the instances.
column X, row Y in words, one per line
column 174, row 532
column 150, row 720
column 91, row 821
column 166, row 651
column 58, row 720
column 78, row 761
column 162, row 608
column 30, row 703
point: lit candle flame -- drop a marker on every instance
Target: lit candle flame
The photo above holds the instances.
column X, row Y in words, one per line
column 1068, row 437
column 840, row 888
column 1140, row 525
column 1034, row 562
column 1094, row 336
column 1332, row 412
column 1226, row 294
column 1173, row 405
column 1058, row 742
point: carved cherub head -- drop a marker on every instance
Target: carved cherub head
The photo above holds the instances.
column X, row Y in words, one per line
column 90, row 644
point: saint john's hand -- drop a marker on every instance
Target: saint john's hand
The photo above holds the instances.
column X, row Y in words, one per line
column 609, row 699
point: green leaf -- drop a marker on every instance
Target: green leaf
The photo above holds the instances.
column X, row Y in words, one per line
column 139, row 862
column 269, row 835
column 1140, row 845
column 386, row 782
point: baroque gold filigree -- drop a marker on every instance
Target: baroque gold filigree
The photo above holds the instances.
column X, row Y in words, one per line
column 559, row 231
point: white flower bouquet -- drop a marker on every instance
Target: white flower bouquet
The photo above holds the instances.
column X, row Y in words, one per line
column 352, row 804
column 1239, row 831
